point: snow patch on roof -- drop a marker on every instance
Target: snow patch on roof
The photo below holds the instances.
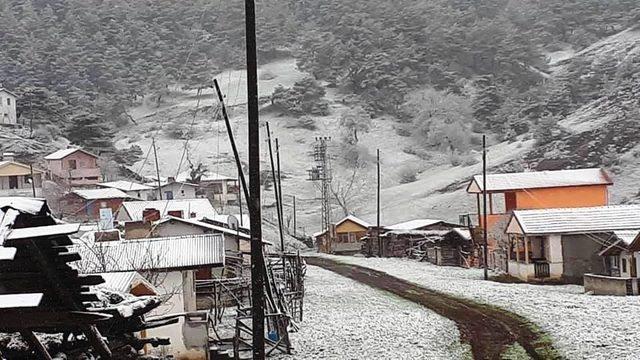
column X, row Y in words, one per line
column 413, row 224
column 185, row 176
column 540, row 179
column 106, row 193
column 354, row 219
column 201, row 207
column 578, row 220
column 125, row 185
column 205, row 226
column 63, row 153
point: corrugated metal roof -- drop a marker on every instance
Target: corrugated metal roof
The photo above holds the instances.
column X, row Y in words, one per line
column 125, row 185
column 578, row 220
column 201, row 207
column 96, row 194
column 206, row 226
column 63, row 153
column 540, row 179
column 169, row 253
column 413, row 224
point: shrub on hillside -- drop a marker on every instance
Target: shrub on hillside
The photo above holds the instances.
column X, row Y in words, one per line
column 306, row 97
column 408, row 175
column 305, row 122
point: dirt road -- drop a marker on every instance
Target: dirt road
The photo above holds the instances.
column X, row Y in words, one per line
column 489, row 331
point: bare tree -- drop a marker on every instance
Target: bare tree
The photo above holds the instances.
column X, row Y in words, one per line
column 344, row 191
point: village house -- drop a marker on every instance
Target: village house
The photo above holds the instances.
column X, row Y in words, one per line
column 170, row 264
column 128, row 282
column 94, row 204
column 531, row 190
column 565, row 244
column 172, row 189
column 186, row 209
column 74, row 167
column 344, row 237
column 620, row 274
column 17, row 179
column 220, row 189
column 8, row 114
column 422, row 224
column 133, row 189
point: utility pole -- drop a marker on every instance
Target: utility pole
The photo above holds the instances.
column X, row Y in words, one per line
column 275, row 188
column 484, row 206
column 257, row 258
column 155, row 155
column 281, row 207
column 294, row 216
column 240, row 200
column 378, row 212
column 33, row 180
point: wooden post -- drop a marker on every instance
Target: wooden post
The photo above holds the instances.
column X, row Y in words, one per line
column 526, row 250
column 484, row 198
column 33, row 180
column 155, row 155
column 518, row 249
column 240, row 202
column 257, row 258
column 35, row 344
column 479, row 210
column 491, row 203
column 294, row 216
column 276, row 190
column 380, row 252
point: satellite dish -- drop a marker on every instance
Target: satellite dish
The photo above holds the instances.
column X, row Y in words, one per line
column 233, row 222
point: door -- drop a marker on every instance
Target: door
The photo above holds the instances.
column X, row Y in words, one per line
column 13, row 182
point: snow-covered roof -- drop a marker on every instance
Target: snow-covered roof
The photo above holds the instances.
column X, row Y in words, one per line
column 354, row 219
column 627, row 236
column 123, row 281
column 168, row 253
column 8, row 91
column 125, row 185
column 464, row 233
column 201, row 207
column 414, row 224
column 63, row 153
column 222, row 218
column 205, row 225
column 186, row 177
column 8, row 301
column 540, row 179
column 41, row 231
column 106, row 193
column 575, row 220
column 163, row 183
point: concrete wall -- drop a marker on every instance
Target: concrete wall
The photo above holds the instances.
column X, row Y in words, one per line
column 607, row 285
column 580, row 255
column 180, row 191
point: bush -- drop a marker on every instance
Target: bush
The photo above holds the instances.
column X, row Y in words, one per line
column 408, row 175
column 267, row 75
column 403, row 131
column 179, row 129
column 306, row 97
column 305, row 122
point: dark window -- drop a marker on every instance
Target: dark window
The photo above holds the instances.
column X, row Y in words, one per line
column 624, row 265
column 168, row 195
column 72, row 164
column 8, row 101
column 13, row 182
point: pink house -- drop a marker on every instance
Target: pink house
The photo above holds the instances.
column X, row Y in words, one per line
column 75, row 167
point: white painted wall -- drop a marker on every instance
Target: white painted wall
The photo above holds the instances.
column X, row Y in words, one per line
column 172, row 285
column 554, row 255
column 7, row 108
column 180, row 191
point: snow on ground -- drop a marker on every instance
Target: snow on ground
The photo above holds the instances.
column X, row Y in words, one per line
column 344, row 319
column 582, row 326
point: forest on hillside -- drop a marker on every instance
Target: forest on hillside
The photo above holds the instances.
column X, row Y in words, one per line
column 77, row 65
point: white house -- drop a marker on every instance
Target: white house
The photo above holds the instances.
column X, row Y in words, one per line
column 172, row 189
column 8, row 113
column 170, row 265
column 16, row 178
column 133, row 189
column 186, row 209
column 221, row 189
column 565, row 243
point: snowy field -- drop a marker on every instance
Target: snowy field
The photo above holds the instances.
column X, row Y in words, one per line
column 582, row 326
column 344, row 319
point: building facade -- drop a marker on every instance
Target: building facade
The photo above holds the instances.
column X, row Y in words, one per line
column 17, row 179
column 74, row 167
column 8, row 114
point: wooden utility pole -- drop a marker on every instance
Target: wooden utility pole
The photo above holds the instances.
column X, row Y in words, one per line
column 155, row 155
column 239, row 194
column 281, row 207
column 294, row 216
column 378, row 211
column 33, row 180
column 484, row 206
column 276, row 189
column 257, row 258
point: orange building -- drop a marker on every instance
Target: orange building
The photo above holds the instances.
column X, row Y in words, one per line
column 533, row 190
column 343, row 237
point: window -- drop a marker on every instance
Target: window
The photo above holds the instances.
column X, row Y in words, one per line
column 168, row 195
column 9, row 101
column 182, row 192
column 343, row 238
column 72, row 164
column 624, row 265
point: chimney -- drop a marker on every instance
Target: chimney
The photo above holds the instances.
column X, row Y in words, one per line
column 171, row 179
column 8, row 156
column 175, row 213
column 150, row 214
